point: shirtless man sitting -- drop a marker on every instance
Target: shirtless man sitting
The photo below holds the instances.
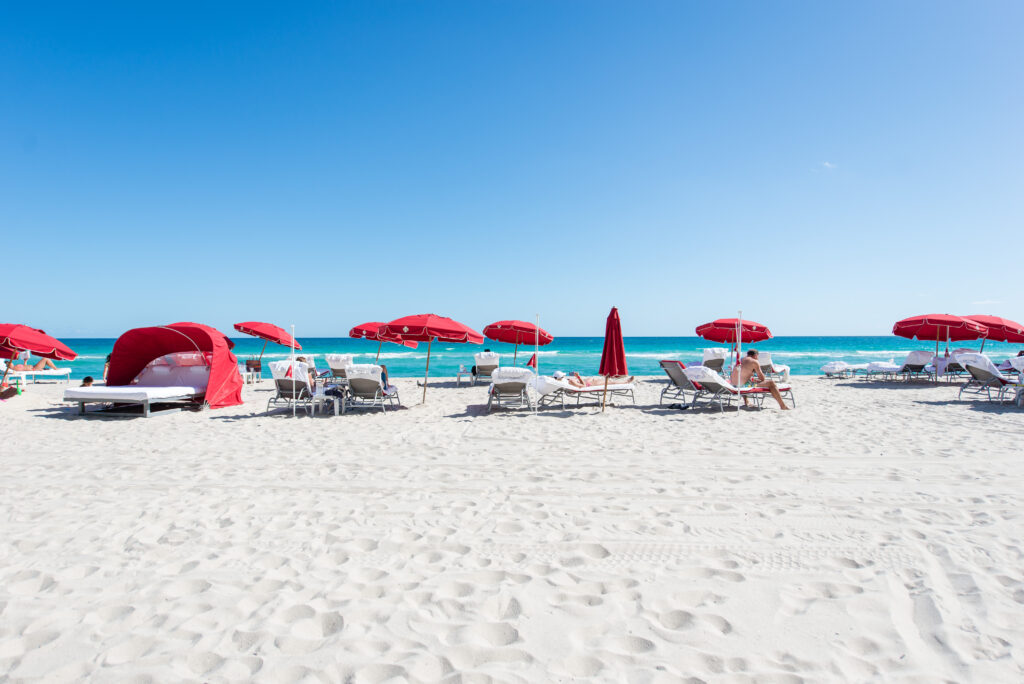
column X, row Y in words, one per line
column 748, row 368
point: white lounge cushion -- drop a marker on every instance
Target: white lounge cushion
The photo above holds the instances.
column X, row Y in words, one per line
column 130, row 393
column 511, row 374
column 279, row 370
column 49, row 371
column 715, row 353
column 918, row 358
column 338, row 361
column 486, row 358
column 883, row 367
column 835, row 367
column 364, row 371
column 980, row 361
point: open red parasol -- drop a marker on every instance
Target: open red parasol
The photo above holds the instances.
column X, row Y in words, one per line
column 613, row 356
column 999, row 329
column 724, row 330
column 517, row 333
column 430, row 327
column 372, row 331
column 939, row 327
column 15, row 338
column 268, row 332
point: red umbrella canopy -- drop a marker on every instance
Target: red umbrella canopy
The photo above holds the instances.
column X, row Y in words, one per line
column 426, row 327
column 613, row 358
column 268, row 332
column 517, row 332
column 17, row 337
column 1000, row 329
column 372, row 331
column 724, row 330
column 939, row 327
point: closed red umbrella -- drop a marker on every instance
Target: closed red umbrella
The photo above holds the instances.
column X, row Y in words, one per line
column 613, row 356
column 268, row 332
column 372, row 331
column 999, row 329
column 430, row 327
column 517, row 333
column 15, row 337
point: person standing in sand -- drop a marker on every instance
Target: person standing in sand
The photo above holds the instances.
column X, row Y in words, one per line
column 748, row 368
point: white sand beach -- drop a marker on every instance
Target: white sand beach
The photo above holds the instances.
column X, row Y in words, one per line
column 873, row 534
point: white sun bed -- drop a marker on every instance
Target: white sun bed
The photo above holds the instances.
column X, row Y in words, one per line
column 133, row 395
column 23, row 376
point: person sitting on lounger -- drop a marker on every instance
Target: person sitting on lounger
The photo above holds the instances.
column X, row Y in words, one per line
column 42, row 364
column 750, row 367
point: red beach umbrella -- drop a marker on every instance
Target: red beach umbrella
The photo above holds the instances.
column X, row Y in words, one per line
column 268, row 332
column 999, row 329
column 517, row 333
column 15, row 338
column 939, row 327
column 430, row 327
column 372, row 331
column 724, row 330
column 613, row 357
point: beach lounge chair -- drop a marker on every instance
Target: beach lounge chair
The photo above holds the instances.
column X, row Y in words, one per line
column 508, row 388
column 679, row 385
column 723, row 392
column 165, row 385
column 770, row 369
column 291, row 386
column 917, row 364
column 337, row 364
column 23, row 376
column 985, row 377
column 552, row 390
column 714, row 358
column 484, row 364
column 836, row 369
column 366, row 388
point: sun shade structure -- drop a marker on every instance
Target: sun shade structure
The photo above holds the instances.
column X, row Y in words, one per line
column 372, row 331
column 999, row 329
column 136, row 348
column 268, row 332
column 15, row 338
column 517, row 333
column 939, row 327
column 729, row 330
column 613, row 356
column 430, row 327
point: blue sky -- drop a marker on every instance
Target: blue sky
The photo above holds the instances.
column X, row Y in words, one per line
column 826, row 167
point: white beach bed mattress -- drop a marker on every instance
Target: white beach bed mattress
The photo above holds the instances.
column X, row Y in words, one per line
column 130, row 393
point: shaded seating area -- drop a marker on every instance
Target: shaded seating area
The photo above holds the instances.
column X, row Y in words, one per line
column 723, row 393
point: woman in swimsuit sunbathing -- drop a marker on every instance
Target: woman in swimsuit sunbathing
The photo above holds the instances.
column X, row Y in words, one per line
column 42, row 364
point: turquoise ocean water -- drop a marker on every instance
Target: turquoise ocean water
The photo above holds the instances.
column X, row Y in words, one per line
column 805, row 355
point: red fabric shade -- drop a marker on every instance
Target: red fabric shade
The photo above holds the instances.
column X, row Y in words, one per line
column 427, row 327
column 724, row 331
column 136, row 348
column 268, row 332
column 517, row 332
column 999, row 329
column 939, row 327
column 613, row 358
column 17, row 337
column 532, row 362
column 372, row 331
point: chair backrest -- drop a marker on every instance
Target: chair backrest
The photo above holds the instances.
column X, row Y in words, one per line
column 511, row 378
column 299, row 374
column 338, row 363
column 1017, row 362
column 918, row 358
column 486, row 360
column 980, row 367
column 764, row 359
column 676, row 371
column 708, row 379
column 715, row 354
column 365, row 380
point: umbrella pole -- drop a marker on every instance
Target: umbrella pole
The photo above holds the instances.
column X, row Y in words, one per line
column 935, row 362
column 380, row 343
column 982, row 344
column 604, row 395
column 427, row 373
column 264, row 349
column 294, row 374
column 515, row 353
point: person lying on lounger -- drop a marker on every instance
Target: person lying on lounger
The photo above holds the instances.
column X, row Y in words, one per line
column 42, row 364
column 576, row 381
column 750, row 367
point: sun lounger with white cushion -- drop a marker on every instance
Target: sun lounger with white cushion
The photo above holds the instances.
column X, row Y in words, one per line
column 723, row 392
column 484, row 364
column 23, row 376
column 292, row 385
column 679, row 385
column 714, row 358
column 552, row 390
column 366, row 388
column 985, row 377
column 770, row 369
column 508, row 388
column 160, row 383
column 338, row 363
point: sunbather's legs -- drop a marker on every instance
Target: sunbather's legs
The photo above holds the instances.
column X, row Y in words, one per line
column 774, row 389
column 43, row 364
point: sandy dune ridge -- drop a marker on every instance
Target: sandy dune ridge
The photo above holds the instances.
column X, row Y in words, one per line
column 875, row 533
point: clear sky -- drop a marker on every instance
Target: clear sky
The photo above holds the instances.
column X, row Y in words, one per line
column 826, row 167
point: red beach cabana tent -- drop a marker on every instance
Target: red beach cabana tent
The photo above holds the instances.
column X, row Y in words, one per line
column 136, row 348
